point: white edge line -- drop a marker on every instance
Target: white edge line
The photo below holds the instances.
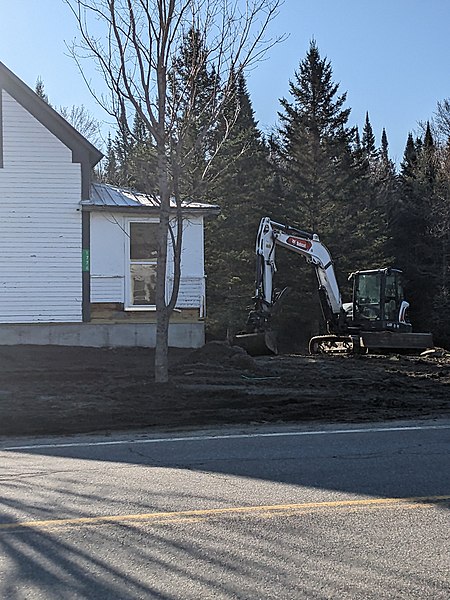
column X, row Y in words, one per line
column 233, row 436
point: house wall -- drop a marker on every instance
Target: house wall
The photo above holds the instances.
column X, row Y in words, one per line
column 40, row 223
column 109, row 266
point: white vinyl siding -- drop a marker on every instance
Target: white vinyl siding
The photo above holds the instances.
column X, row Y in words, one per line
column 107, row 289
column 26, row 140
column 40, row 223
column 107, row 258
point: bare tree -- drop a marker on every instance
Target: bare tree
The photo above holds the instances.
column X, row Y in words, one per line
column 85, row 123
column 78, row 116
column 134, row 44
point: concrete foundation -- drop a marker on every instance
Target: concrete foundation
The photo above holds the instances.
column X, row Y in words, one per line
column 114, row 335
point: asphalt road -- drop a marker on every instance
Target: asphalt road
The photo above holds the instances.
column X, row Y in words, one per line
column 255, row 513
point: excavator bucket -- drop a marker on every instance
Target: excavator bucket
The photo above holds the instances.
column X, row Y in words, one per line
column 257, row 344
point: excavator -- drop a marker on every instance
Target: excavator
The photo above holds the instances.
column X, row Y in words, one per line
column 375, row 320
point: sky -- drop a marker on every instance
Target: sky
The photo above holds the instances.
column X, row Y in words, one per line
column 392, row 57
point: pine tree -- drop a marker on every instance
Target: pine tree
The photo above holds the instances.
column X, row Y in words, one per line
column 412, row 242
column 440, row 239
column 40, row 90
column 142, row 158
column 384, row 146
column 110, row 171
column 119, row 153
column 193, row 143
column 325, row 178
column 243, row 187
column 368, row 140
column 386, row 189
column 314, row 141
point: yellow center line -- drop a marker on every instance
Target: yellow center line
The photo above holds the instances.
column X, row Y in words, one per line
column 272, row 509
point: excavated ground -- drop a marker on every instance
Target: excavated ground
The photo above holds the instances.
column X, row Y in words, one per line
column 54, row 390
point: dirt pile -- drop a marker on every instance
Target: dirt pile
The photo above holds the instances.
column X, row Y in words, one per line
column 47, row 390
column 220, row 354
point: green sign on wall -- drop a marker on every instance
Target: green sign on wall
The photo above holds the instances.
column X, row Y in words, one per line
column 86, row 260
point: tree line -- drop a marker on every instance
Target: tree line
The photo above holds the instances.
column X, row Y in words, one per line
column 314, row 171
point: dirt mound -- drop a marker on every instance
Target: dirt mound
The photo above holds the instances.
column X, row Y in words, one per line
column 221, row 353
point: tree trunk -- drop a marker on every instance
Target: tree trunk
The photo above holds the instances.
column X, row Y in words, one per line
column 162, row 310
column 162, row 347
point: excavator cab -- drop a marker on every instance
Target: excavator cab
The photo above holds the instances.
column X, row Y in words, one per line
column 379, row 301
column 376, row 319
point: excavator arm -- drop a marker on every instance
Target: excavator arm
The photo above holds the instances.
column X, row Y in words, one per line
column 272, row 234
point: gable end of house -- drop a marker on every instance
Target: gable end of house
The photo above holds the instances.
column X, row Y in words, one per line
column 83, row 152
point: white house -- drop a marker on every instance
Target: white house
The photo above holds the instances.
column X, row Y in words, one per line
column 77, row 259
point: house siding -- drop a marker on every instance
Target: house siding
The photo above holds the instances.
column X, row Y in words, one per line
column 109, row 265
column 40, row 223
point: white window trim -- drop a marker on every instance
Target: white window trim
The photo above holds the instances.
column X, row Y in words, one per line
column 128, row 306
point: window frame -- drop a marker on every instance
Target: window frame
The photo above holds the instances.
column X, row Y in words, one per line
column 128, row 305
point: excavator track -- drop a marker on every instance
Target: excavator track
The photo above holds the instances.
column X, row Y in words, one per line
column 334, row 344
column 380, row 342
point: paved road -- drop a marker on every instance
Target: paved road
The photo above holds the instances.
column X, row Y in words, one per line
column 331, row 513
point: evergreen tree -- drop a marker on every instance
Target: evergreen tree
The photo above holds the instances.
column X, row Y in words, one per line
column 412, row 242
column 123, row 145
column 314, row 141
column 409, row 161
column 325, row 179
column 142, row 158
column 368, row 141
column 440, row 238
column 386, row 188
column 384, row 146
column 40, row 90
column 193, row 143
column 243, row 186
column 131, row 158
column 110, row 171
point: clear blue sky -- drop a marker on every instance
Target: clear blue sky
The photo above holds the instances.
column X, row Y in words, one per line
column 392, row 57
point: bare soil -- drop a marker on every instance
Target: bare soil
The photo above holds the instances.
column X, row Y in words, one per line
column 57, row 390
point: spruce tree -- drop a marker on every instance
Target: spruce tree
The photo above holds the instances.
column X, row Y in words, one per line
column 440, row 234
column 386, row 188
column 110, row 171
column 243, row 186
column 412, row 241
column 193, row 143
column 368, row 140
column 314, row 142
column 384, row 146
column 325, row 179
column 142, row 158
column 40, row 90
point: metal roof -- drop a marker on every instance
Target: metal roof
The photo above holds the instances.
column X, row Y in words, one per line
column 108, row 196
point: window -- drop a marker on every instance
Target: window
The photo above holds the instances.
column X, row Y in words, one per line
column 142, row 263
column 368, row 296
column 393, row 296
